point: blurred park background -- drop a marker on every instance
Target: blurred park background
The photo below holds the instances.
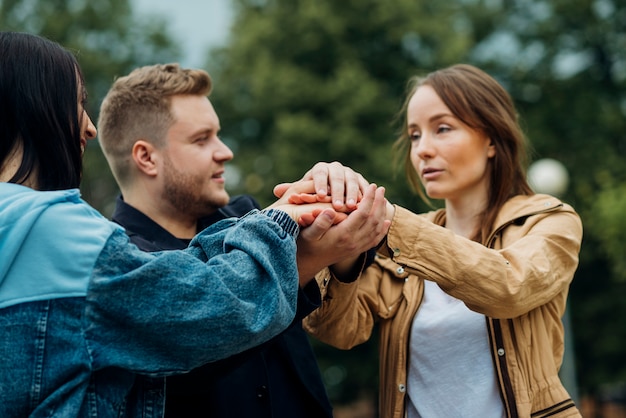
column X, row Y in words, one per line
column 301, row 81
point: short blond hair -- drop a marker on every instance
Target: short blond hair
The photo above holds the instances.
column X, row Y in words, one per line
column 138, row 106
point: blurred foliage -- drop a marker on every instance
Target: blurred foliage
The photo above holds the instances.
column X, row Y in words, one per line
column 301, row 82
column 607, row 218
column 109, row 40
column 306, row 81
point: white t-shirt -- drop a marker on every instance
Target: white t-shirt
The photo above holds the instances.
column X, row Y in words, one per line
column 451, row 373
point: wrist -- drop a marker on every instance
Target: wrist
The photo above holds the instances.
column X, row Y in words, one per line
column 283, row 219
column 390, row 211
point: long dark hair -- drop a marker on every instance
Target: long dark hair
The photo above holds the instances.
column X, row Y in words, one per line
column 482, row 103
column 39, row 82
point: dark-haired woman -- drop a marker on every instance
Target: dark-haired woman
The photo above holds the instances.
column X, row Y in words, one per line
column 82, row 311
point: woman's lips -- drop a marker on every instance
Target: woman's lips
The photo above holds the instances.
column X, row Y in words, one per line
column 430, row 173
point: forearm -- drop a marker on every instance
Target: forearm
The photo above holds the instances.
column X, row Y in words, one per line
column 500, row 283
column 347, row 315
column 234, row 288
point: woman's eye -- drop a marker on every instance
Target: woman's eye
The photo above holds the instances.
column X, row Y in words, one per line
column 443, row 129
column 414, row 136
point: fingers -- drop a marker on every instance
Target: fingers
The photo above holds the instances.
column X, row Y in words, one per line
column 340, row 217
column 322, row 223
column 337, row 179
column 285, row 190
column 327, row 241
column 319, row 173
column 367, row 223
column 355, row 185
column 306, row 219
column 302, row 198
column 302, row 214
column 280, row 189
column 344, row 185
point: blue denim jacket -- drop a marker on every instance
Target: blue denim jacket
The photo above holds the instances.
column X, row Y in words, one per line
column 83, row 311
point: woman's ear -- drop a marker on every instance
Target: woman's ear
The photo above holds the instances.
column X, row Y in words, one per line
column 145, row 156
column 491, row 148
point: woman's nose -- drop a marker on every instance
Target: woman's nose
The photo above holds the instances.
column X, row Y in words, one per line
column 91, row 132
column 424, row 148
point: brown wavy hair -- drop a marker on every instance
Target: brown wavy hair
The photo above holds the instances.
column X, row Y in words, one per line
column 480, row 102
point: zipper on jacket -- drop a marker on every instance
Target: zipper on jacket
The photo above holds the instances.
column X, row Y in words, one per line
column 494, row 326
column 407, row 331
column 496, row 340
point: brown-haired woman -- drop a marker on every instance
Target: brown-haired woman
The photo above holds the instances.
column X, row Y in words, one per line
column 469, row 298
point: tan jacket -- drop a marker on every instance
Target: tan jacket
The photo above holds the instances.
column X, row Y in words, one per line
column 519, row 280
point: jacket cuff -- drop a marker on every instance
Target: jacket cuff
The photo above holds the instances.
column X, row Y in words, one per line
column 363, row 262
column 284, row 220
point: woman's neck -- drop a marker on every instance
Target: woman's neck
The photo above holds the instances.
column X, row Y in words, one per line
column 463, row 217
column 11, row 164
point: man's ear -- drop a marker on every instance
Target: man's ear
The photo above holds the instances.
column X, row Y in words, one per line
column 145, row 157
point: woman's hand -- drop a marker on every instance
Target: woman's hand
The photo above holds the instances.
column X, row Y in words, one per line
column 345, row 185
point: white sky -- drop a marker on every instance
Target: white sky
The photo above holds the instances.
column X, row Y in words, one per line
column 196, row 24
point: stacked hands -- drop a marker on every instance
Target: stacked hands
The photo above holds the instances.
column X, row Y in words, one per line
column 340, row 214
column 318, row 201
column 308, row 198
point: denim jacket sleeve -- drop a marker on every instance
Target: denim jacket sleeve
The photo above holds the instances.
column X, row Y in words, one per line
column 168, row 312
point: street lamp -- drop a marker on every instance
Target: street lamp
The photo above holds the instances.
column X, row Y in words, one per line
column 550, row 176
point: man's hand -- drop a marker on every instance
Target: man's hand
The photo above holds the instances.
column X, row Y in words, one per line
column 326, row 242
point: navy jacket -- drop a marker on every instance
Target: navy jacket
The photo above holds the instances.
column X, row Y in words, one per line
column 279, row 379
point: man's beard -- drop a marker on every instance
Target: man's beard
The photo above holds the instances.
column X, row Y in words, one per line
column 184, row 193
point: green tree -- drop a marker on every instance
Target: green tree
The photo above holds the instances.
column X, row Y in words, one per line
column 301, row 82
column 109, row 40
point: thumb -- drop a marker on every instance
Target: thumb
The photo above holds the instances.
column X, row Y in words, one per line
column 280, row 189
column 322, row 223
